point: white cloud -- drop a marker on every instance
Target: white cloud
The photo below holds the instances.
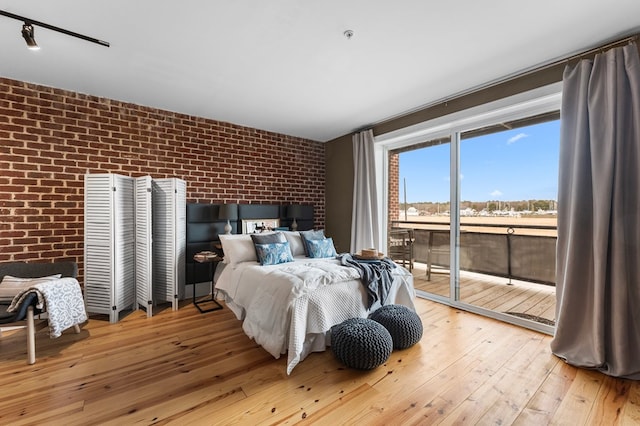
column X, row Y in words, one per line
column 496, row 193
column 516, row 138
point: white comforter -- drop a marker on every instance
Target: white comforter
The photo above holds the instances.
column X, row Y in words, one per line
column 291, row 307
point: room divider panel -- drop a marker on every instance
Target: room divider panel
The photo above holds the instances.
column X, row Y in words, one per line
column 109, row 244
column 169, row 239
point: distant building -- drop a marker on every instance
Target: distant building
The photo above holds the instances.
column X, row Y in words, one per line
column 411, row 211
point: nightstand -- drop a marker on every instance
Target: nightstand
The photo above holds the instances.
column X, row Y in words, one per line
column 214, row 259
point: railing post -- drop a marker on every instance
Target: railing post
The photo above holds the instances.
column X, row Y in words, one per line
column 510, row 231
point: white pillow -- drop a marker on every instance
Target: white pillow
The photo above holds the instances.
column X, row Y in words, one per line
column 238, row 248
column 11, row 286
column 295, row 242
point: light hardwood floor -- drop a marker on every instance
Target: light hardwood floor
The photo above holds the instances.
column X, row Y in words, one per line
column 184, row 367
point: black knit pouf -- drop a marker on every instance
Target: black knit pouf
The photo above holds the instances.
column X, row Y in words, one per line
column 403, row 324
column 361, row 343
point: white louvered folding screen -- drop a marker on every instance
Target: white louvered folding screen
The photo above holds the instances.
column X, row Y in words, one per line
column 143, row 221
column 169, row 239
column 180, row 258
column 109, row 244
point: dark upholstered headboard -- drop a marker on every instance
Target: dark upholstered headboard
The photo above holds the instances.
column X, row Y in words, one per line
column 204, row 225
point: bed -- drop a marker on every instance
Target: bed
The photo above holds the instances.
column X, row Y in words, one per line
column 289, row 307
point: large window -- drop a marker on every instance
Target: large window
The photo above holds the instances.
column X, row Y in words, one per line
column 478, row 191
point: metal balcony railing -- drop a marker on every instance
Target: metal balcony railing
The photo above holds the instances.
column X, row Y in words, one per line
column 504, row 250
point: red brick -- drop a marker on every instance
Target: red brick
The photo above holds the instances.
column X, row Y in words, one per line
column 53, row 137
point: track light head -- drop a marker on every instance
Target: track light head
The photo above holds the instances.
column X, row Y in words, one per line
column 27, row 33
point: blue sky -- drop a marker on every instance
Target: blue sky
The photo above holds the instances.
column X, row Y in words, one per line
column 520, row 164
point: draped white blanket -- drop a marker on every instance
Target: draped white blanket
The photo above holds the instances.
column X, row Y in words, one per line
column 61, row 299
column 291, row 307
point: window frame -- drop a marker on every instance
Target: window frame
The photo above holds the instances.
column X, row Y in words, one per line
column 543, row 100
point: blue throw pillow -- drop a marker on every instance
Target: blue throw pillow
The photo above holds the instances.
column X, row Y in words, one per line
column 271, row 237
column 309, row 236
column 322, row 248
column 274, row 253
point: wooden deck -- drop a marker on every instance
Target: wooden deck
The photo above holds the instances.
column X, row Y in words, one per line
column 529, row 300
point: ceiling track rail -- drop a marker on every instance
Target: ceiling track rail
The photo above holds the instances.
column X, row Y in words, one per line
column 53, row 28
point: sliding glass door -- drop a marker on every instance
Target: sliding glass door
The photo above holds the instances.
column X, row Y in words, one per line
column 477, row 195
column 424, row 208
column 508, row 193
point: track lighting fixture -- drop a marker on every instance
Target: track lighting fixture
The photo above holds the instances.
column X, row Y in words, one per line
column 27, row 33
column 27, row 30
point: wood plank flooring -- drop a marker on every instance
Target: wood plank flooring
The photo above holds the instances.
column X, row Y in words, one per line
column 536, row 301
column 184, row 367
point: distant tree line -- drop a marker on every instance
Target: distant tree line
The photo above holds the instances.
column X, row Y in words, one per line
column 431, row 208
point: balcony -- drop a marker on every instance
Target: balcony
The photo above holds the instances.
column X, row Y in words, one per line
column 536, row 302
column 504, row 267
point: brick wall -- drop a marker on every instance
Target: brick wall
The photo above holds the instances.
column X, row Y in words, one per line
column 50, row 138
column 394, row 187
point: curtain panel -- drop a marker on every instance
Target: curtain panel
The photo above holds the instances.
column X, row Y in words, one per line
column 365, row 224
column 598, row 252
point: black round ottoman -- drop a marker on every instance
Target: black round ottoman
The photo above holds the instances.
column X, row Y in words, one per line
column 403, row 324
column 361, row 343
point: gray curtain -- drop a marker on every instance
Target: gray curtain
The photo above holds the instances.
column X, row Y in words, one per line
column 598, row 253
column 364, row 219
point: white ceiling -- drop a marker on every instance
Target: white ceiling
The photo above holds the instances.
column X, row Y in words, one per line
column 285, row 65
